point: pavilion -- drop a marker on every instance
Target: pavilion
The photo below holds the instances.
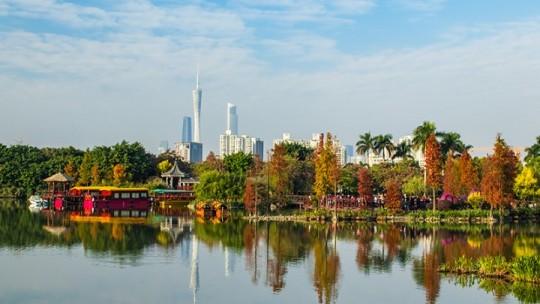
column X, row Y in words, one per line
column 178, row 180
column 58, row 183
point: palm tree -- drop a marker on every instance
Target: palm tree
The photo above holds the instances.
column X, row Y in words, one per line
column 383, row 143
column 533, row 151
column 365, row 144
column 450, row 141
column 403, row 150
column 421, row 134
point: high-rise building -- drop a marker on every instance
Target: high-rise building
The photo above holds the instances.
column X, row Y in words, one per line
column 190, row 152
column 197, row 100
column 232, row 119
column 163, row 146
column 186, row 129
column 231, row 143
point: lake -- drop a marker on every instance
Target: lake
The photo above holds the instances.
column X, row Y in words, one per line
column 46, row 258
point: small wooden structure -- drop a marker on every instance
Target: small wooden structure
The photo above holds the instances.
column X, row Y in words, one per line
column 58, row 183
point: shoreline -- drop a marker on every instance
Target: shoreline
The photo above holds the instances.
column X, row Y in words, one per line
column 441, row 217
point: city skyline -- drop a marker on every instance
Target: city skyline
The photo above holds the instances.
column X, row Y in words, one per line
column 296, row 67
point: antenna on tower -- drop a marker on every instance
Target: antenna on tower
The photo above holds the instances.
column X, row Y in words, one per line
column 197, row 75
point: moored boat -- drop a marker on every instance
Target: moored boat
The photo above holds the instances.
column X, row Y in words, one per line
column 111, row 201
column 37, row 203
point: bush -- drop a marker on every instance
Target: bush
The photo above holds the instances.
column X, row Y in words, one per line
column 476, row 200
column 527, row 268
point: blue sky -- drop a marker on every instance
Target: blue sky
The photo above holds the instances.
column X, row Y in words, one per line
column 88, row 73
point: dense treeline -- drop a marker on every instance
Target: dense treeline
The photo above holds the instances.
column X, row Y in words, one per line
column 449, row 177
column 23, row 168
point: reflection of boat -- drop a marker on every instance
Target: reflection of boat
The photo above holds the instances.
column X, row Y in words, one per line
column 107, row 219
column 212, row 209
column 37, row 203
column 172, row 198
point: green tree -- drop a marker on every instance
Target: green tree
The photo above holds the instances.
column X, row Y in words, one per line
column 403, row 150
column 238, row 163
column 533, row 151
column 85, row 170
column 414, row 186
column 365, row 144
column 383, row 144
column 348, row 181
column 298, row 151
column 450, row 142
column 421, row 134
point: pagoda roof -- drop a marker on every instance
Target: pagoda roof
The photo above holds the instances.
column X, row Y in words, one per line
column 59, row 178
column 174, row 171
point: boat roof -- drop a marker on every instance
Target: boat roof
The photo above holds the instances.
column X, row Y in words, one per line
column 106, row 188
column 168, row 191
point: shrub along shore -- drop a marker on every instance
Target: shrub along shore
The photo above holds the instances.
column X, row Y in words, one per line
column 421, row 216
column 524, row 269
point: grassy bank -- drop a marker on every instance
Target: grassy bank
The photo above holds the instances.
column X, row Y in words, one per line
column 420, row 216
column 523, row 269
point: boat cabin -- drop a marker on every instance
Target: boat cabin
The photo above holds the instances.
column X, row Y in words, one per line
column 113, row 201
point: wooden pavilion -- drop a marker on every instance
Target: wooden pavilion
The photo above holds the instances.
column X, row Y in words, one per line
column 178, row 180
column 58, row 183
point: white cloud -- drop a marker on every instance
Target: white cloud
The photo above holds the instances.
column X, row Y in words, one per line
column 477, row 81
column 423, row 5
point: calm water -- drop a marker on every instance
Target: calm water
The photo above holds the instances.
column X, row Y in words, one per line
column 48, row 259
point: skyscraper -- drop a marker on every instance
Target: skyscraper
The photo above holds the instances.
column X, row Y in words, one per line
column 186, row 129
column 232, row 119
column 197, row 100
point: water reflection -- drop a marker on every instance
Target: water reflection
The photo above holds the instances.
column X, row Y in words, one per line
column 270, row 251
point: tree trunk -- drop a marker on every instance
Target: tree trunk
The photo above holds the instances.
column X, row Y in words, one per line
column 434, row 201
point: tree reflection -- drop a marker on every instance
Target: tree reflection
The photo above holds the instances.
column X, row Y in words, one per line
column 326, row 268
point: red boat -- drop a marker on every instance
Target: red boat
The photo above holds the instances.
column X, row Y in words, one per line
column 112, row 201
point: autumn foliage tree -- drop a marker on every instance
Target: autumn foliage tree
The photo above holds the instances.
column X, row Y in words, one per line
column 433, row 166
column 119, row 174
column 467, row 173
column 452, row 180
column 250, row 196
column 365, row 186
column 326, row 167
column 280, row 174
column 498, row 174
column 392, row 199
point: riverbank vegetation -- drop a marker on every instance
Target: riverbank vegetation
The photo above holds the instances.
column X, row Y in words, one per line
column 447, row 177
column 524, row 268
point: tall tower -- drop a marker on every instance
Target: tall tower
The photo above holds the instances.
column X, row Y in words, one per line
column 232, row 119
column 186, row 129
column 197, row 100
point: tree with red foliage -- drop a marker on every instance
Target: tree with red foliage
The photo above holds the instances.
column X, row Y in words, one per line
column 365, row 186
column 250, row 197
column 498, row 175
column 392, row 198
column 452, row 181
column 467, row 174
column 280, row 175
column 433, row 166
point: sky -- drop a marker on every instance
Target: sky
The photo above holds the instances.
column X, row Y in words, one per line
column 95, row 72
